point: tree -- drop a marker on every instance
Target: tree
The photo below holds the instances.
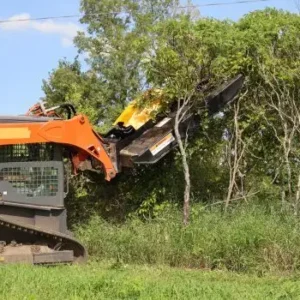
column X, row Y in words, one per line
column 68, row 83
column 118, row 35
column 180, row 60
column 273, row 73
column 116, row 41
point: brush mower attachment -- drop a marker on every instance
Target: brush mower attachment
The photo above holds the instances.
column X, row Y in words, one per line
column 139, row 139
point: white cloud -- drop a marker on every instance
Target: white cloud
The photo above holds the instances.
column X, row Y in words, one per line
column 65, row 30
column 66, row 42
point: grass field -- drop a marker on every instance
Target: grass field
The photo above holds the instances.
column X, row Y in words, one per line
column 250, row 253
column 108, row 281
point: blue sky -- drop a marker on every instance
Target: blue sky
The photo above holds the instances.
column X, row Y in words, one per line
column 30, row 50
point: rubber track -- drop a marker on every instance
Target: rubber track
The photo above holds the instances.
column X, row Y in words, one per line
column 52, row 237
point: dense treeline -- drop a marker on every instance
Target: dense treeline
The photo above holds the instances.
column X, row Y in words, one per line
column 251, row 153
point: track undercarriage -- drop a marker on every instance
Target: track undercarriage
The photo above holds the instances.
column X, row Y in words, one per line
column 30, row 244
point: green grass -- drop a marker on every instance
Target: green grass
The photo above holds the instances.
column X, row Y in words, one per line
column 250, row 253
column 104, row 281
column 249, row 239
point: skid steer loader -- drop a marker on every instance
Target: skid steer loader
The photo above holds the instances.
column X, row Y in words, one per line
column 32, row 181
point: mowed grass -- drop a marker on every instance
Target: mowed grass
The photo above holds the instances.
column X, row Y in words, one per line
column 105, row 281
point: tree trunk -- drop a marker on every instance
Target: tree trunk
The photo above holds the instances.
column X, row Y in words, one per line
column 235, row 159
column 186, row 170
column 296, row 209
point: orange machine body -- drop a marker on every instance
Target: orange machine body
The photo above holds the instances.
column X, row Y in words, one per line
column 76, row 133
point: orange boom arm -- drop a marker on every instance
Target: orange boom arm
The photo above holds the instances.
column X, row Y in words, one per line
column 76, row 133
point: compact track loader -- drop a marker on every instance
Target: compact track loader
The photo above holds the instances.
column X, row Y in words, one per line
column 33, row 183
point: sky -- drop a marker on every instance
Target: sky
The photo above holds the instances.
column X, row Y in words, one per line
column 30, row 50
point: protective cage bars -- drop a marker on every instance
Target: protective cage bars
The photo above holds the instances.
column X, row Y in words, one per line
column 31, row 181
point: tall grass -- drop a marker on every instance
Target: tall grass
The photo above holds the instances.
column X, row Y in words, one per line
column 246, row 239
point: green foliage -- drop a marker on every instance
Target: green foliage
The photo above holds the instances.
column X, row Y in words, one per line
column 144, row 45
column 264, row 46
column 144, row 191
column 185, row 53
column 68, row 84
column 116, row 42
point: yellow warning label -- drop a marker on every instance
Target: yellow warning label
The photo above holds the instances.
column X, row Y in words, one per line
column 15, row 133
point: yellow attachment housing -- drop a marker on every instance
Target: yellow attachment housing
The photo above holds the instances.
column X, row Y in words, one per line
column 137, row 117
